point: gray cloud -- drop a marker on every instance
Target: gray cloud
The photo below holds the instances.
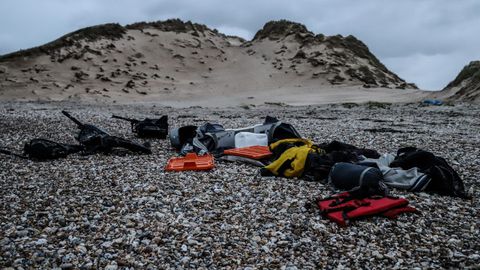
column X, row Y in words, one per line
column 424, row 41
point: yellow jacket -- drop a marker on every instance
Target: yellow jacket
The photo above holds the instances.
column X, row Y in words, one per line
column 292, row 162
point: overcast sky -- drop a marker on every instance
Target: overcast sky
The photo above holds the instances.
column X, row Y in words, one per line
column 424, row 41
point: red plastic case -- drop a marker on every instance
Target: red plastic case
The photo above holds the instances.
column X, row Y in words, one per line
column 191, row 162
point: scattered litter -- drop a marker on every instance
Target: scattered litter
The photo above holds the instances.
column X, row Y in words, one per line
column 435, row 102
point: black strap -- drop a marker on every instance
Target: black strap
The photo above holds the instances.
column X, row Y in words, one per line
column 344, row 200
column 345, row 209
column 334, row 196
column 287, row 164
column 345, row 216
column 10, row 153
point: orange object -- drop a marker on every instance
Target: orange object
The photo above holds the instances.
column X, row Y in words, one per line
column 190, row 162
column 253, row 152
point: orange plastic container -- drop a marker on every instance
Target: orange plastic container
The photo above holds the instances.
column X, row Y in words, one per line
column 253, row 152
column 191, row 162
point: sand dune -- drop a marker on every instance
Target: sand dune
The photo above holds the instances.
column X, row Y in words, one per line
column 182, row 64
column 465, row 87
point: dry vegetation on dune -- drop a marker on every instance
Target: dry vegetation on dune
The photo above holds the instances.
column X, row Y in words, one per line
column 466, row 86
column 110, row 31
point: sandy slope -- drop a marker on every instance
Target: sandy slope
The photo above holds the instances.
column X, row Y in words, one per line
column 284, row 96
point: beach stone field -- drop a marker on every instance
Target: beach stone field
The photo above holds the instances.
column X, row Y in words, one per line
column 123, row 211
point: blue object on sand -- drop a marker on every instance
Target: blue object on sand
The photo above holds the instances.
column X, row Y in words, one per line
column 436, row 102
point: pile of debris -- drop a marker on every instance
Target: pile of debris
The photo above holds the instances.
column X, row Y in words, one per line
column 361, row 178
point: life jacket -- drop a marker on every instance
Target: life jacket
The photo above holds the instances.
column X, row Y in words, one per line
column 290, row 162
column 343, row 208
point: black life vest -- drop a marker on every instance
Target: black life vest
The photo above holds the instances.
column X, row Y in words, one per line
column 43, row 149
column 444, row 179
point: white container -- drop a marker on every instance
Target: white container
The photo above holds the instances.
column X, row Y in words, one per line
column 245, row 139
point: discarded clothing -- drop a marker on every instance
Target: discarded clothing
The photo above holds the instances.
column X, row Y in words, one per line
column 318, row 165
column 91, row 138
column 43, row 149
column 343, row 208
column 411, row 179
column 335, row 146
column 444, row 179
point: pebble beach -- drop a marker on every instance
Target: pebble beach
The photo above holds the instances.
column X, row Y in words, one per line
column 125, row 212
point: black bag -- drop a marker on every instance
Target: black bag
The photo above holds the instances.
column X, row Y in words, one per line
column 359, row 180
column 282, row 131
column 42, row 149
column 152, row 128
column 279, row 130
column 148, row 128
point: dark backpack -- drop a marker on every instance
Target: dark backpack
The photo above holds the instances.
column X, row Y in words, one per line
column 151, row 128
column 148, row 128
